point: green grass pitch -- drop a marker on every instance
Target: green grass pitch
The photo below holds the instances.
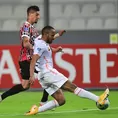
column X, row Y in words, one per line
column 75, row 107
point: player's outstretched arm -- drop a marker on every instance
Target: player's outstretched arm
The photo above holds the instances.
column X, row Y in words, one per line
column 60, row 33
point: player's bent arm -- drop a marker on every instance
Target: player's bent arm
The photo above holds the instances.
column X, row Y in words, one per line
column 60, row 33
column 35, row 57
column 58, row 49
column 54, row 49
column 26, row 43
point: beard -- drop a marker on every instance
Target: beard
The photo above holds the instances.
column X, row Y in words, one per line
column 49, row 42
column 35, row 22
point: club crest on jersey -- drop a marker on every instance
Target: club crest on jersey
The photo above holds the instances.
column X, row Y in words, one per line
column 39, row 49
column 26, row 29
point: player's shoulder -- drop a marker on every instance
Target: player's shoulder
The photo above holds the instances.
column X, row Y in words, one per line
column 39, row 42
column 38, row 38
column 25, row 27
column 26, row 24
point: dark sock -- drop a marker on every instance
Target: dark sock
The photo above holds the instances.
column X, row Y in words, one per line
column 14, row 90
column 45, row 96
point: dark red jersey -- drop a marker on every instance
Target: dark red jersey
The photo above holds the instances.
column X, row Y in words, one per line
column 29, row 31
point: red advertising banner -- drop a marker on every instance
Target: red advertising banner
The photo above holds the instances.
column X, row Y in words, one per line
column 88, row 66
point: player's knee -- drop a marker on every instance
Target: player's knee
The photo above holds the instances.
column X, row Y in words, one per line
column 61, row 102
column 69, row 86
column 26, row 86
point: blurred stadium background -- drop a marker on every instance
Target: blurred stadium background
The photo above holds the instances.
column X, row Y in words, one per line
column 92, row 26
column 90, row 57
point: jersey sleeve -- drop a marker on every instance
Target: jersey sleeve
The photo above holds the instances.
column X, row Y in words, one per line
column 39, row 49
column 25, row 31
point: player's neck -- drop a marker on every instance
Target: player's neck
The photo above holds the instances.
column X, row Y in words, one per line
column 43, row 38
column 29, row 21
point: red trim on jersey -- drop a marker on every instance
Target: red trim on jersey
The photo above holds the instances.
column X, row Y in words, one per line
column 48, row 66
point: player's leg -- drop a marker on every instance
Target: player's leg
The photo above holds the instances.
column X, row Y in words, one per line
column 14, row 90
column 19, row 87
column 52, row 88
column 44, row 98
column 59, row 100
column 51, row 82
column 85, row 94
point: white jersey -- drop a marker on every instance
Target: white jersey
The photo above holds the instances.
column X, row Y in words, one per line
column 44, row 63
column 50, row 79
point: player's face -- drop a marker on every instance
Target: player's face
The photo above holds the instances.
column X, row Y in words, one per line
column 50, row 36
column 35, row 16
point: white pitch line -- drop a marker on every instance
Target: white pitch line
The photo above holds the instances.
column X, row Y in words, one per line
column 69, row 111
column 72, row 111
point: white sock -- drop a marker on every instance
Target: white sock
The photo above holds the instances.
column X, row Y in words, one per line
column 42, row 103
column 49, row 105
column 0, row 98
column 86, row 94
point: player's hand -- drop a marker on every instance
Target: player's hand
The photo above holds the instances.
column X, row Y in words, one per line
column 59, row 49
column 32, row 79
column 61, row 32
column 31, row 50
column 30, row 47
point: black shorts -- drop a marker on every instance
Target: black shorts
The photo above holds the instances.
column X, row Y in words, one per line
column 25, row 69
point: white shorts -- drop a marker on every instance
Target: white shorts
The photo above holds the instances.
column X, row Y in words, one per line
column 52, row 81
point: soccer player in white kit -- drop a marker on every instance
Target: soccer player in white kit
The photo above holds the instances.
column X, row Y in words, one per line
column 52, row 80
